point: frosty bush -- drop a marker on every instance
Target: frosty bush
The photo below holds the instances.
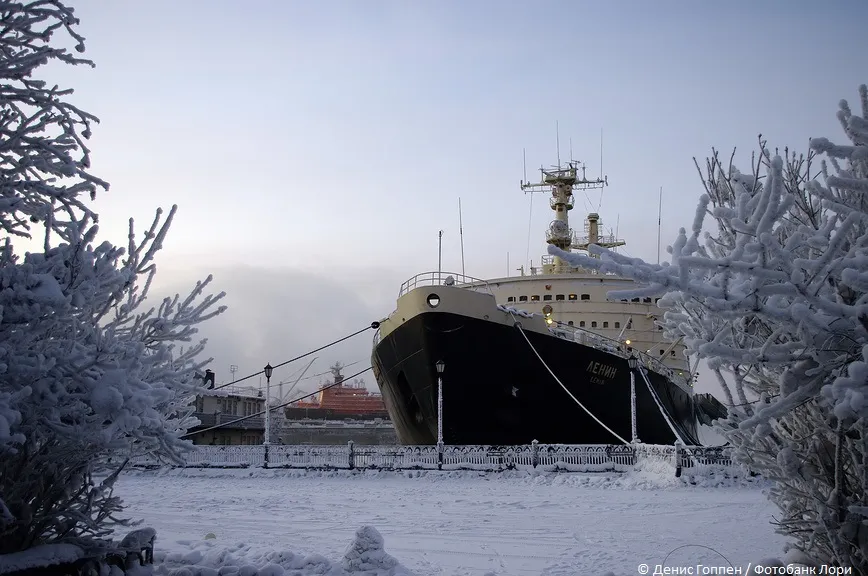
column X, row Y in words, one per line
column 85, row 377
column 775, row 296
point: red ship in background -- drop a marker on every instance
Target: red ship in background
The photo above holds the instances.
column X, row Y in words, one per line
column 340, row 400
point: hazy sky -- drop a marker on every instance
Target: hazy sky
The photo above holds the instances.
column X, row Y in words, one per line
column 316, row 148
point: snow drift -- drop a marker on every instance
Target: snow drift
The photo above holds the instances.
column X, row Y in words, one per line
column 365, row 555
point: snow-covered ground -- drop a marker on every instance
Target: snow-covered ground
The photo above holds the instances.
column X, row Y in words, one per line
column 458, row 522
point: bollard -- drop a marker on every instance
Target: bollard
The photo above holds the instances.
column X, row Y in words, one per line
column 534, row 451
column 351, row 459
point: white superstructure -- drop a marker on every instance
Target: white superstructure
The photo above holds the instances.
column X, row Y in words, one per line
column 577, row 297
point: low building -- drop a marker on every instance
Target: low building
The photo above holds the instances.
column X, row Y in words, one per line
column 343, row 413
column 222, row 407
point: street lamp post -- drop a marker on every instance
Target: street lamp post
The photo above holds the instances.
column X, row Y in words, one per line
column 633, row 364
column 441, row 366
column 268, row 371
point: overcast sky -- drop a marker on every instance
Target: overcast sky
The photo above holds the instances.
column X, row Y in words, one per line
column 316, row 148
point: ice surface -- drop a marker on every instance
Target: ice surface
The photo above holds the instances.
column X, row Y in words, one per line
column 444, row 523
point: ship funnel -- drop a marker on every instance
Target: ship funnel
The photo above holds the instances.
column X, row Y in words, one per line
column 593, row 228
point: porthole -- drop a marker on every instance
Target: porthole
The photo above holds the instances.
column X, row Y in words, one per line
column 433, row 300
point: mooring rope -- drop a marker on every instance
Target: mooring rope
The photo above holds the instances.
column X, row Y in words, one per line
column 582, row 406
column 373, row 325
column 660, row 406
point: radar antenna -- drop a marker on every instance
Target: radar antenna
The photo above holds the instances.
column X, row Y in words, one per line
column 562, row 182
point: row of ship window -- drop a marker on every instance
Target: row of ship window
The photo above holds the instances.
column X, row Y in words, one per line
column 605, row 324
column 574, row 297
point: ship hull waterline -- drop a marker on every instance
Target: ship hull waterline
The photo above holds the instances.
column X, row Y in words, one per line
column 497, row 392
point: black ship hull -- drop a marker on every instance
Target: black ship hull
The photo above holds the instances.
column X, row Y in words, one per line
column 497, row 392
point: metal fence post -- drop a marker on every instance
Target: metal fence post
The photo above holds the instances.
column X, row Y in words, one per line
column 677, row 459
column 351, row 457
column 440, row 455
column 265, row 459
column 534, row 453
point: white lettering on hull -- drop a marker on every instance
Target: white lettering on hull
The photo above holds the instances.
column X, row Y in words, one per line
column 602, row 370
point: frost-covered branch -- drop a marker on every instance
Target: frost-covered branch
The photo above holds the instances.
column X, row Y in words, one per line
column 44, row 160
column 86, row 378
column 770, row 285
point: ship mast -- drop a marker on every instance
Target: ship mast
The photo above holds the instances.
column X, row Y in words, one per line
column 562, row 182
column 336, row 373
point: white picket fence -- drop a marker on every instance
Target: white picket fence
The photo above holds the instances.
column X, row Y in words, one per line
column 550, row 457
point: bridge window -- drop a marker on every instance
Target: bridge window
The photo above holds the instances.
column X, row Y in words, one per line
column 570, row 323
column 672, row 353
column 635, row 300
column 573, row 297
column 581, row 323
column 660, row 327
column 547, row 297
column 656, row 300
column 662, row 352
column 511, row 299
column 522, row 298
column 647, row 300
column 624, row 300
column 605, row 324
column 594, row 324
column 629, row 348
column 559, row 297
column 534, row 298
column 617, row 324
column 586, row 296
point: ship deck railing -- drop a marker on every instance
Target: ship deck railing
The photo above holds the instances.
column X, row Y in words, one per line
column 600, row 342
column 621, row 349
column 580, row 335
column 440, row 279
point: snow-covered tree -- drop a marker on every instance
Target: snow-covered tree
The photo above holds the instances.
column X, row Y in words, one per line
column 86, row 377
column 41, row 132
column 773, row 293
